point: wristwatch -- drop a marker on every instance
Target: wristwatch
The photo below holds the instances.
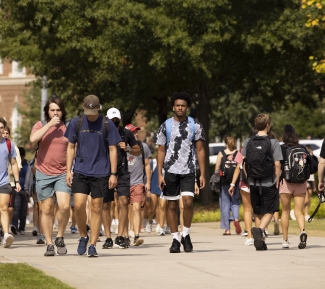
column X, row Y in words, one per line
column 16, row 182
column 114, row 174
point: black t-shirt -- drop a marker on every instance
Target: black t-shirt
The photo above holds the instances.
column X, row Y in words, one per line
column 322, row 151
column 127, row 137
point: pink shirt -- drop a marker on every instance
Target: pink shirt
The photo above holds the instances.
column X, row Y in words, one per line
column 51, row 156
column 239, row 158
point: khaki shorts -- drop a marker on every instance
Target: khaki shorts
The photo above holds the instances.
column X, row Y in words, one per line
column 292, row 188
column 137, row 194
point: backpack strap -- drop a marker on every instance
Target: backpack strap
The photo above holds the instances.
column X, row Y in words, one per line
column 78, row 125
column 168, row 124
column 142, row 153
column 105, row 129
column 8, row 143
column 223, row 160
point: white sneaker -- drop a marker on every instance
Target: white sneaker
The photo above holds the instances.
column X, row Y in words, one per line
column 111, row 229
column 307, row 217
column 285, row 244
column 143, row 230
column 161, row 232
column 249, row 242
column 157, row 228
column 244, row 233
column 292, row 215
column 8, row 240
column 154, row 221
column 131, row 233
column 167, row 230
column 116, row 231
column 148, row 227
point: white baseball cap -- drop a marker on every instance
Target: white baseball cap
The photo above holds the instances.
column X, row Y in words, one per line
column 113, row 112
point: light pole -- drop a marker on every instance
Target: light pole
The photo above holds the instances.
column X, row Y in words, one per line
column 44, row 96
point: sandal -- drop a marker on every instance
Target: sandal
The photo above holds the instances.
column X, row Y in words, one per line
column 237, row 226
column 226, row 233
column 303, row 240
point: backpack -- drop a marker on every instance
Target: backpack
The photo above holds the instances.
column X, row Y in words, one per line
column 227, row 167
column 169, row 129
column 143, row 161
column 8, row 143
column 296, row 168
column 258, row 161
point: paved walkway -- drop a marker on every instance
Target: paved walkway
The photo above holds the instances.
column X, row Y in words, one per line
column 217, row 262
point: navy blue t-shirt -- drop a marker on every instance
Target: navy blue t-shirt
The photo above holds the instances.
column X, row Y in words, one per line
column 92, row 157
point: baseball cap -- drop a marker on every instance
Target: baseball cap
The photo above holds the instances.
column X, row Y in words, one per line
column 131, row 127
column 113, row 112
column 91, row 105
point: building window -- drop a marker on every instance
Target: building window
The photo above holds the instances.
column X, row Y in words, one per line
column 17, row 69
column 1, row 66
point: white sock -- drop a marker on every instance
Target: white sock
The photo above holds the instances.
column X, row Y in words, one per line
column 175, row 236
column 186, row 231
column 6, row 235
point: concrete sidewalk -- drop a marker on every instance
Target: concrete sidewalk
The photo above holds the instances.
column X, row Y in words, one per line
column 217, row 262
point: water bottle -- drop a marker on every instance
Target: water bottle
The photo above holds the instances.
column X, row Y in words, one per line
column 286, row 170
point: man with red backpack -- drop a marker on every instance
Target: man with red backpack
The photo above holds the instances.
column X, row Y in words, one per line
column 8, row 154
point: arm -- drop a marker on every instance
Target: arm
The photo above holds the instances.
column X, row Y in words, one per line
column 37, row 135
column 15, row 172
column 70, row 157
column 200, row 154
column 234, row 180
column 112, row 182
column 321, row 165
column 148, row 174
column 160, row 162
column 277, row 171
column 218, row 162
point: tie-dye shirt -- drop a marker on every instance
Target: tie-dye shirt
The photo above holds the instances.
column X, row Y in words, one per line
column 180, row 155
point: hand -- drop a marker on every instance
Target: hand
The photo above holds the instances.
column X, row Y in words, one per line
column 231, row 190
column 196, row 189
column 122, row 145
column 321, row 186
column 18, row 187
column 161, row 182
column 202, row 182
column 148, row 194
column 112, row 182
column 55, row 120
column 68, row 179
column 147, row 187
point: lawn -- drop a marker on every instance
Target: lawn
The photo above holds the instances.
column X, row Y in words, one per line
column 24, row 276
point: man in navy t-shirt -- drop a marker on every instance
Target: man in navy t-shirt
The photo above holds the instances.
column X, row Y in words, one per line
column 94, row 171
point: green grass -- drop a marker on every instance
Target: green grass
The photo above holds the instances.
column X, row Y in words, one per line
column 24, row 276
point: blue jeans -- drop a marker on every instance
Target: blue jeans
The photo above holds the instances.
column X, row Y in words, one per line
column 20, row 210
column 228, row 203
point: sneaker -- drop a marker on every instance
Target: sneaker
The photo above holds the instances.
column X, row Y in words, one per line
column 73, row 230
column 176, row 247
column 108, row 244
column 13, row 229
column 143, row 230
column 154, row 222
column 148, row 227
column 120, row 242
column 101, row 233
column 92, row 251
column 8, row 240
column 40, row 239
column 157, row 228
column 137, row 241
column 49, row 250
column 82, row 246
column 249, row 242
column 266, row 233
column 131, row 233
column 307, row 217
column 187, row 244
column 116, row 231
column 244, row 233
column 98, row 239
column 61, row 248
column 292, row 215
column 161, row 232
column 167, row 230
column 237, row 226
column 276, row 228
column 285, row 244
column 127, row 242
column 22, row 232
column 258, row 239
column 111, row 229
column 35, row 232
column 303, row 240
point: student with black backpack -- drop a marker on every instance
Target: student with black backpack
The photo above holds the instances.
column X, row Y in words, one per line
column 295, row 173
column 262, row 157
column 228, row 202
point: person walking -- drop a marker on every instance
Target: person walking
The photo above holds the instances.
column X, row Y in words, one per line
column 180, row 140
column 95, row 169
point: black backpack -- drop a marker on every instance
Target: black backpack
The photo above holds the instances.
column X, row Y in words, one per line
column 259, row 163
column 227, row 167
column 295, row 165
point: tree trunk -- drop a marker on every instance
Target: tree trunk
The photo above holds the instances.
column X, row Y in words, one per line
column 203, row 117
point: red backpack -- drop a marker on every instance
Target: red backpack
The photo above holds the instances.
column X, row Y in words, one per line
column 8, row 143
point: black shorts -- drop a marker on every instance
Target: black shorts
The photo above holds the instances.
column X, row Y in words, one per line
column 176, row 183
column 12, row 197
column 267, row 202
column 98, row 187
column 122, row 188
column 6, row 189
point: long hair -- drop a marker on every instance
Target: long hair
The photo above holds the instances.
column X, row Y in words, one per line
column 230, row 142
column 7, row 128
column 59, row 102
column 289, row 135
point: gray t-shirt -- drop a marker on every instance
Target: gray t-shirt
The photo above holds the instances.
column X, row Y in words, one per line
column 180, row 155
column 135, row 166
column 277, row 156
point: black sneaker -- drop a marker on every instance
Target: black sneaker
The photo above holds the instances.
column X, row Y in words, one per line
column 176, row 247
column 40, row 240
column 187, row 244
column 137, row 241
column 13, row 229
column 120, row 242
column 34, row 232
column 61, row 248
column 49, row 250
column 303, row 240
column 258, row 239
column 108, row 244
column 127, row 242
column 92, row 251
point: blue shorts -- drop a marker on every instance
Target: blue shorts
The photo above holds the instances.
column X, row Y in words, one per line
column 46, row 185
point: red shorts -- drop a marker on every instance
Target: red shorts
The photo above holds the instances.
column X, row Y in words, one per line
column 292, row 188
column 137, row 194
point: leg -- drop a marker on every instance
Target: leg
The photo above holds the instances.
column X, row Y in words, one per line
column 172, row 215
column 80, row 211
column 63, row 202
column 23, row 211
column 285, row 202
column 96, row 219
column 107, row 219
column 247, row 207
column 188, row 210
column 181, row 213
column 17, row 208
column 4, row 201
column 307, row 201
column 47, row 218
column 136, row 217
column 224, row 202
column 299, row 201
column 123, row 214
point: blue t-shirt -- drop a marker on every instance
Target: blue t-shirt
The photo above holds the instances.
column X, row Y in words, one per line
column 22, row 173
column 154, row 187
column 92, row 156
column 4, row 159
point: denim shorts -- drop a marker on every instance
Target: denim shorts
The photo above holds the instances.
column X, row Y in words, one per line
column 46, row 185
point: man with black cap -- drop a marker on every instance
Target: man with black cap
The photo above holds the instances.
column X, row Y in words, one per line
column 94, row 171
